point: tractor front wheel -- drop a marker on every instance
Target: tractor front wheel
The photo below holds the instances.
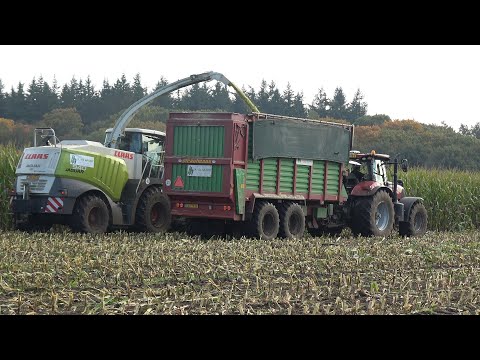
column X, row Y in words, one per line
column 416, row 225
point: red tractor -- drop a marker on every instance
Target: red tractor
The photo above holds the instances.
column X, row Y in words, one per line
column 377, row 205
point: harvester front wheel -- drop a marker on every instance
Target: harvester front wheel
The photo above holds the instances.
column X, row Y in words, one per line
column 153, row 211
column 292, row 221
column 265, row 222
column 416, row 225
column 373, row 215
column 90, row 215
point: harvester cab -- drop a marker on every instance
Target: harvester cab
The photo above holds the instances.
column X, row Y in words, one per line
column 147, row 143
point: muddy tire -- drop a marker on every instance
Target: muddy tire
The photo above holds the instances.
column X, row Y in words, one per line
column 292, row 221
column 373, row 215
column 265, row 222
column 90, row 215
column 153, row 211
column 416, row 225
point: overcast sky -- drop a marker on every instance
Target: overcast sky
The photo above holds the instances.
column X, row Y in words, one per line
column 426, row 83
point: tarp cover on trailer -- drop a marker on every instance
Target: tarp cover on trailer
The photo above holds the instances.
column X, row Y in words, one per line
column 292, row 138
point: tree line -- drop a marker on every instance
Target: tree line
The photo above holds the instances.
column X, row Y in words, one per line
column 30, row 103
column 77, row 110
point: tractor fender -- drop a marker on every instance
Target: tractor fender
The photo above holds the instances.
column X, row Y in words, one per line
column 369, row 188
column 408, row 203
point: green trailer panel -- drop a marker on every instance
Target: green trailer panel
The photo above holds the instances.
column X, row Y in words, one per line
column 106, row 172
column 253, row 176
column 269, row 175
column 303, row 178
column 196, row 142
column 318, row 180
column 199, row 141
column 287, row 169
column 240, row 191
column 191, row 182
column 333, row 178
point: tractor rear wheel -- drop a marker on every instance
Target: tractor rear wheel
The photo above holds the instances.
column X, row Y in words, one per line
column 153, row 211
column 265, row 222
column 416, row 225
column 292, row 221
column 90, row 215
column 373, row 215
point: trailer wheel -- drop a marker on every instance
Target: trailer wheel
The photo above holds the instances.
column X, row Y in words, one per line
column 373, row 215
column 417, row 222
column 153, row 211
column 90, row 215
column 265, row 222
column 292, row 221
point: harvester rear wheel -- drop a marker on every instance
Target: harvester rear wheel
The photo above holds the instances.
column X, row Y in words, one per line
column 153, row 211
column 292, row 221
column 90, row 215
column 373, row 215
column 416, row 225
column 265, row 222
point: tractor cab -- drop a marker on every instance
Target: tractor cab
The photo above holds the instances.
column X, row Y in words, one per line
column 371, row 168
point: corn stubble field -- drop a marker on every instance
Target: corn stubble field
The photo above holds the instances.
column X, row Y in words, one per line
column 127, row 273
column 121, row 273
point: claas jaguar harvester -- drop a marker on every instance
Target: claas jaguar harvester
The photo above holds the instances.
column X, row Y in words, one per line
column 93, row 187
column 264, row 176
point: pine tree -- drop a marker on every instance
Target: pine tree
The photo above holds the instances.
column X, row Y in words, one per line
column 165, row 101
column 137, row 89
column 69, row 94
column 275, row 103
column 321, row 104
column 220, row 99
column 298, row 108
column 262, row 97
column 16, row 104
column 338, row 105
column 122, row 94
column 357, row 108
column 239, row 105
column 89, row 105
column 288, row 98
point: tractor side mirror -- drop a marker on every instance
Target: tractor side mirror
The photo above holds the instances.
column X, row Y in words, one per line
column 404, row 165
